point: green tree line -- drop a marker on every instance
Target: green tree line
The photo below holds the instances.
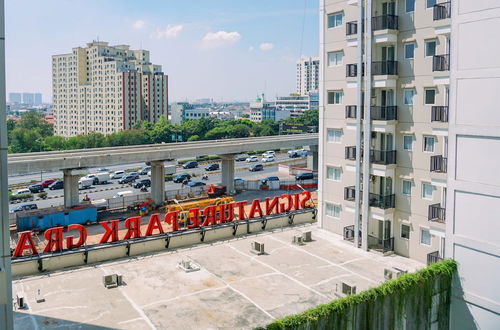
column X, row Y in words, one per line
column 31, row 133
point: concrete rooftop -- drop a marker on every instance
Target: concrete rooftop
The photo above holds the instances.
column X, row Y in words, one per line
column 234, row 289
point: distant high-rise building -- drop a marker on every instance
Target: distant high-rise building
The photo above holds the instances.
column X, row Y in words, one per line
column 15, row 98
column 38, row 99
column 28, row 98
column 307, row 75
column 106, row 89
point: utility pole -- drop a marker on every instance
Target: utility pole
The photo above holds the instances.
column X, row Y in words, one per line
column 6, row 316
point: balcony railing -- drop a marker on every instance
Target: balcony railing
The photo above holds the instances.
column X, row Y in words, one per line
column 349, row 233
column 385, row 22
column 350, row 193
column 437, row 213
column 433, row 257
column 439, row 164
column 351, row 28
column 351, row 70
column 350, row 153
column 381, row 244
column 385, row 68
column 439, row 113
column 387, row 112
column 442, row 11
column 382, row 202
column 441, row 62
column 350, row 111
column 383, row 157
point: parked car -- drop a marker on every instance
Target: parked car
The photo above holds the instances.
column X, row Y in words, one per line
column 269, row 153
column 304, row 176
column 142, row 183
column 35, row 188
column 190, row 164
column 239, row 180
column 46, row 183
column 123, row 193
column 270, row 178
column 256, row 167
column 134, row 174
column 25, row 207
column 127, row 179
column 212, row 167
column 196, row 184
column 268, row 158
column 117, row 175
column 145, row 170
column 24, row 191
column 181, row 177
column 241, row 157
column 59, row 184
column 252, row 159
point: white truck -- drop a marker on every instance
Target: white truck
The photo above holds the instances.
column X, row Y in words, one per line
column 102, row 178
column 169, row 169
column 85, row 183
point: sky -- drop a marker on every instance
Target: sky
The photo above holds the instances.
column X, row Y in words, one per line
column 222, row 49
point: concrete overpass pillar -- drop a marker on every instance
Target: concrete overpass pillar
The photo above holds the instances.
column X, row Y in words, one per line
column 158, row 182
column 228, row 173
column 71, row 178
column 312, row 158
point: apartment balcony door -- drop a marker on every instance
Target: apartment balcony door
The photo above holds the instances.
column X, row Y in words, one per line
column 388, row 53
column 385, row 187
column 385, row 142
column 387, row 97
column 384, row 229
column 389, row 8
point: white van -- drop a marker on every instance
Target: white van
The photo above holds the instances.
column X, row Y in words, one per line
column 123, row 193
column 85, row 183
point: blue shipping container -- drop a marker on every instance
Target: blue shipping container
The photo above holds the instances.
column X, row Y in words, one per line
column 48, row 218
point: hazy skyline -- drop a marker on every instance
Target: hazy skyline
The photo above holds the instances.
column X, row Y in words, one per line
column 210, row 49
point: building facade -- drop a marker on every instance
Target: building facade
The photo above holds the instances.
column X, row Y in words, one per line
column 15, row 98
column 297, row 104
column 307, row 75
column 473, row 202
column 384, row 124
column 261, row 110
column 106, row 89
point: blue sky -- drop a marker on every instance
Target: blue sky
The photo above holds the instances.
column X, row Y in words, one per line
column 228, row 50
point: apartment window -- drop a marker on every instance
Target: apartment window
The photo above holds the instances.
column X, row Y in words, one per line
column 407, row 142
column 333, row 173
column 425, row 237
column 335, row 58
column 406, row 187
column 405, row 231
column 334, row 135
column 427, row 190
column 430, row 47
column 333, row 210
column 408, row 96
column 430, row 3
column 335, row 97
column 410, row 50
column 429, row 143
column 335, row 20
column 430, row 96
column 410, row 6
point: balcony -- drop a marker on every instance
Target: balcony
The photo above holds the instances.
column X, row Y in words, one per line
column 351, row 28
column 350, row 193
column 382, row 202
column 385, row 22
column 383, row 157
column 381, row 244
column 388, row 112
column 433, row 257
column 437, row 213
column 350, row 111
column 442, row 11
column 349, row 233
column 439, row 113
column 385, row 68
column 438, row 164
column 441, row 62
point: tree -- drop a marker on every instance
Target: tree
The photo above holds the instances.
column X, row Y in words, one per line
column 25, row 140
column 53, row 143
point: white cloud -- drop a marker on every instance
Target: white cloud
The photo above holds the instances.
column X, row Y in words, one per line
column 139, row 24
column 251, row 48
column 216, row 39
column 170, row 32
column 266, row 46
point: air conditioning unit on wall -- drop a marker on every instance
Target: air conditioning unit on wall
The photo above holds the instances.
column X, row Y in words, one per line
column 392, row 273
column 257, row 248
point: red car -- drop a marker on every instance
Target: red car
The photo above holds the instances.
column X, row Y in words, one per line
column 46, row 183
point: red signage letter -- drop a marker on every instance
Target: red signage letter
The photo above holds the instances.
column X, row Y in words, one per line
column 282, row 205
column 307, row 197
column 154, row 223
column 171, row 219
column 54, row 243
column 25, row 242
column 194, row 216
column 209, row 213
column 83, row 236
column 273, row 206
column 230, row 212
column 255, row 208
column 133, row 226
column 296, row 201
column 110, row 232
column 241, row 209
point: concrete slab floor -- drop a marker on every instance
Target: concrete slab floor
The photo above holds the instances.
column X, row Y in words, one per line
column 234, row 289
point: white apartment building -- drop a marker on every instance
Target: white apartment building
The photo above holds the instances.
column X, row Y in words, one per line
column 307, row 75
column 105, row 89
column 383, row 177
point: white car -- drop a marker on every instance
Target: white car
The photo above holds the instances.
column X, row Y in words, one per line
column 117, row 175
column 269, row 153
column 268, row 158
column 252, row 159
column 21, row 192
